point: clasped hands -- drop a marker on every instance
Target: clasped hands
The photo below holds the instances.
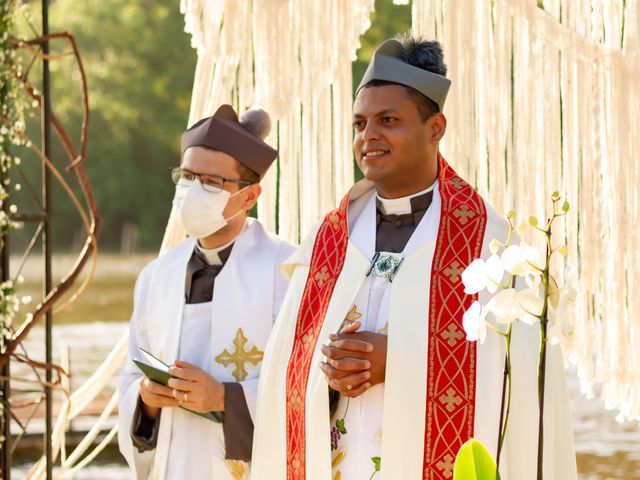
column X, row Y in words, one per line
column 192, row 388
column 356, row 361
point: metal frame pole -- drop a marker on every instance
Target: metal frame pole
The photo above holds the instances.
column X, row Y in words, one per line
column 5, row 467
column 46, row 237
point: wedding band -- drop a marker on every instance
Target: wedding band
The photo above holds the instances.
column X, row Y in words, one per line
column 186, row 397
column 349, row 387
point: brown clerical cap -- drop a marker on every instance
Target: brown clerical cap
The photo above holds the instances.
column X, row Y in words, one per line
column 225, row 133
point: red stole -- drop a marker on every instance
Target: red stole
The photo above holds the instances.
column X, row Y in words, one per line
column 451, row 359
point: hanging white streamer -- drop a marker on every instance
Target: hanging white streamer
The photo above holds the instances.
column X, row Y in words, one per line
column 546, row 100
column 292, row 57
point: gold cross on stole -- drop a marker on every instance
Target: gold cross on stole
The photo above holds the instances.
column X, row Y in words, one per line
column 446, row 466
column 240, row 357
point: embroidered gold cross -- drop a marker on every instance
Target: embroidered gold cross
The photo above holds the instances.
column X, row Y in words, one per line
column 452, row 335
column 237, row 468
column 322, row 276
column 457, row 182
column 240, row 357
column 454, row 271
column 353, row 314
column 451, row 399
column 446, row 465
column 464, row 214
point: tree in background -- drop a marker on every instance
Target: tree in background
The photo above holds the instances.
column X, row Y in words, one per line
column 139, row 66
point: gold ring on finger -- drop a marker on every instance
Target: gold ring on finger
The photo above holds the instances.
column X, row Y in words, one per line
column 349, row 387
column 185, row 399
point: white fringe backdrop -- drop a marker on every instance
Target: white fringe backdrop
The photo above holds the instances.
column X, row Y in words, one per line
column 292, row 57
column 546, row 100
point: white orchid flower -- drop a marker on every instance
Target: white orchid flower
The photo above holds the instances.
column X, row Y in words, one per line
column 514, row 261
column 531, row 303
column 535, row 258
column 494, row 272
column 505, row 307
column 473, row 322
column 474, row 277
column 494, row 245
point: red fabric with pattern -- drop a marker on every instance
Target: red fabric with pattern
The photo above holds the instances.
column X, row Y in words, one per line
column 329, row 251
column 450, row 379
column 451, row 367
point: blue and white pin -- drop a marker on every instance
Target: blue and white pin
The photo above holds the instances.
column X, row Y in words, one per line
column 385, row 264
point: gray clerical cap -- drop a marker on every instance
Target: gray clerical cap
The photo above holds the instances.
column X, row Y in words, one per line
column 387, row 64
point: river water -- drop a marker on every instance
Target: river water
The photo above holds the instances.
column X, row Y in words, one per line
column 605, row 449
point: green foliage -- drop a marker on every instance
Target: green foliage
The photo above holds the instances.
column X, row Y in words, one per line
column 139, row 68
column 474, row 462
column 386, row 21
column 12, row 103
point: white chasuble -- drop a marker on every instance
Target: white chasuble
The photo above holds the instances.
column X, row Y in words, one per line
column 389, row 421
column 225, row 337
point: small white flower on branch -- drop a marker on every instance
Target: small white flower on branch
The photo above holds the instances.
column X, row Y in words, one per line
column 494, row 246
column 531, row 304
column 514, row 260
column 473, row 322
column 495, row 272
column 505, row 307
column 474, row 277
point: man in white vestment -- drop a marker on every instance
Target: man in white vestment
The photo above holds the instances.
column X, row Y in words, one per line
column 206, row 308
column 368, row 374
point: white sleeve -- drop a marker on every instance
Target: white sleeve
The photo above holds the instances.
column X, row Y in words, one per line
column 280, row 282
column 129, row 385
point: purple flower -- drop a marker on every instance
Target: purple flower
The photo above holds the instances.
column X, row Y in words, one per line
column 335, row 438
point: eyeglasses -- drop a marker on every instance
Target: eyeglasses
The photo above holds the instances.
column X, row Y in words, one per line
column 210, row 183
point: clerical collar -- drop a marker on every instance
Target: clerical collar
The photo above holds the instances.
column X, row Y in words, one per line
column 215, row 256
column 408, row 204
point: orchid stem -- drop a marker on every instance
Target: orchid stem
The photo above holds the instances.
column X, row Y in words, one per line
column 507, row 371
column 543, row 353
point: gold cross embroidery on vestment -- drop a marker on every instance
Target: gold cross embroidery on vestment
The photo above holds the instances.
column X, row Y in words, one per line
column 240, row 357
column 446, row 465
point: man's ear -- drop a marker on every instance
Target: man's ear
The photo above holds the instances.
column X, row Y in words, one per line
column 438, row 127
column 253, row 192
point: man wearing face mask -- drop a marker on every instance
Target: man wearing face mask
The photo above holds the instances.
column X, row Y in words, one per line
column 206, row 307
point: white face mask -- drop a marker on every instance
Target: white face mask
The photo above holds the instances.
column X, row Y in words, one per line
column 201, row 211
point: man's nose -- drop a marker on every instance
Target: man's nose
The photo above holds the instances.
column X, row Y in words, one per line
column 370, row 132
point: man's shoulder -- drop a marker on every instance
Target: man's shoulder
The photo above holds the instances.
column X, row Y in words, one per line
column 179, row 251
column 496, row 226
column 264, row 238
column 494, row 220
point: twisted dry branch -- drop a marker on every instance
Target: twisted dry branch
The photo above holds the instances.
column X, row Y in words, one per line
column 91, row 218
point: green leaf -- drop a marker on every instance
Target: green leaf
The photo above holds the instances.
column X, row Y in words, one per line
column 376, row 463
column 340, row 426
column 565, row 207
column 533, row 221
column 474, row 462
column 555, row 195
